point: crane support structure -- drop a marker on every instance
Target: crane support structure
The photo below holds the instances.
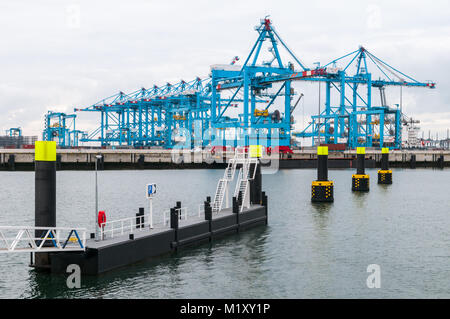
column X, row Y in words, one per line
column 60, row 127
column 252, row 103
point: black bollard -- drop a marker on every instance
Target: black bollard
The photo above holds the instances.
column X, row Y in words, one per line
column 360, row 180
column 235, row 210
column 173, row 218
column 235, row 205
column 208, row 211
column 412, row 161
column 322, row 188
column 385, row 174
column 265, row 204
column 256, row 184
column 12, row 162
column 208, row 217
column 140, row 218
column 45, row 193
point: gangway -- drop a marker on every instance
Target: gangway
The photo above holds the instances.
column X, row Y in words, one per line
column 23, row 239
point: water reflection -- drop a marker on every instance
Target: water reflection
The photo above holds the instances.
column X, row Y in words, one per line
column 360, row 199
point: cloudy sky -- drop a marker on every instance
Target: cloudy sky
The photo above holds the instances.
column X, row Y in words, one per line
column 57, row 55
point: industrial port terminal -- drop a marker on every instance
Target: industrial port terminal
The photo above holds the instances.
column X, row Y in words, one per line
column 253, row 102
column 207, row 144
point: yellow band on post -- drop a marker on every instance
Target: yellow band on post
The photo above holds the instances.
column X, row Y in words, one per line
column 360, row 150
column 322, row 183
column 255, row 150
column 45, row 151
column 385, row 150
column 322, row 150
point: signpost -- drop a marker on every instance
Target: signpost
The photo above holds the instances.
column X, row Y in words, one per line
column 150, row 191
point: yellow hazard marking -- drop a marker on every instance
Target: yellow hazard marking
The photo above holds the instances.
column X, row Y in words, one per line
column 322, row 183
column 360, row 176
column 45, row 151
column 256, row 150
column 322, row 150
column 360, row 150
column 385, row 150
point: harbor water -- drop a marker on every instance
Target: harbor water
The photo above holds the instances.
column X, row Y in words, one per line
column 307, row 250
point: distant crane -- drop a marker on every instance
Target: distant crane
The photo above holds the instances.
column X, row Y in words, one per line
column 240, row 105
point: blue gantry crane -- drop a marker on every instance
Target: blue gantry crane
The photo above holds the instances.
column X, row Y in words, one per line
column 60, row 127
column 14, row 132
column 151, row 117
column 259, row 120
column 240, row 105
column 354, row 118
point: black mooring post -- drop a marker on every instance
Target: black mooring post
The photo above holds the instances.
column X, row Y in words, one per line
column 360, row 180
column 385, row 160
column 360, row 158
column 322, row 166
column 44, row 195
column 45, row 186
column 385, row 174
column 208, row 199
column 322, row 190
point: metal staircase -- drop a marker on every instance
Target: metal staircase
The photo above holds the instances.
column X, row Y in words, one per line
column 222, row 187
column 242, row 186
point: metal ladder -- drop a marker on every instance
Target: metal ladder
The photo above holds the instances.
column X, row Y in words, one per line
column 243, row 184
column 222, row 186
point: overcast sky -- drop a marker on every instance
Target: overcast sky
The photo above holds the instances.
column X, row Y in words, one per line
column 57, row 55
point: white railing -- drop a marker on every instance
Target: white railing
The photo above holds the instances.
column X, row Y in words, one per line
column 182, row 215
column 124, row 226
column 24, row 239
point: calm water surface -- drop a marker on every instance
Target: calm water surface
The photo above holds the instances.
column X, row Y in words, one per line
column 307, row 251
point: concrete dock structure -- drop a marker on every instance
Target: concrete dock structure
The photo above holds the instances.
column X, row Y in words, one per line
column 84, row 159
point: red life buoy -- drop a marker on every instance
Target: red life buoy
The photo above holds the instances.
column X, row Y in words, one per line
column 101, row 218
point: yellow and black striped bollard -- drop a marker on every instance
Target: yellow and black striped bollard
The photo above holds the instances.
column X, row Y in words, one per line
column 360, row 180
column 385, row 174
column 322, row 188
column 45, row 195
